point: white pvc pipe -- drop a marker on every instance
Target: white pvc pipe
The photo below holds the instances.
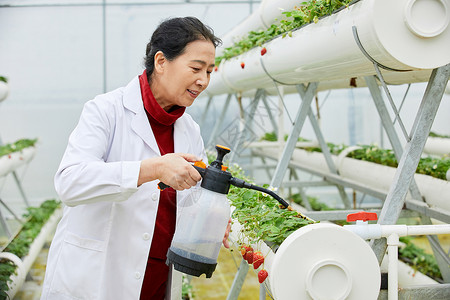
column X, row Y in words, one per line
column 18, row 277
column 393, row 243
column 401, row 34
column 9, row 163
column 375, row 231
column 5, row 165
column 437, row 146
column 268, row 13
column 435, row 191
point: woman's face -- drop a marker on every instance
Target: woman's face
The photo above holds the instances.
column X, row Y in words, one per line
column 180, row 81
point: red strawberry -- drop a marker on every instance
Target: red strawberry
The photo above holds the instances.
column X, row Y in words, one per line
column 262, row 275
column 243, row 251
column 216, row 68
column 263, row 51
column 258, row 259
column 249, row 255
column 242, row 65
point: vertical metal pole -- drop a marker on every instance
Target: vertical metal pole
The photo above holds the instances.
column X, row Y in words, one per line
column 262, row 292
column 411, row 155
column 238, row 281
column 295, row 132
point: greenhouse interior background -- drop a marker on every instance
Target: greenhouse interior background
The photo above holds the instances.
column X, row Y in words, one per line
column 57, row 55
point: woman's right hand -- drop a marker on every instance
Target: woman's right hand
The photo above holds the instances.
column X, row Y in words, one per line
column 174, row 169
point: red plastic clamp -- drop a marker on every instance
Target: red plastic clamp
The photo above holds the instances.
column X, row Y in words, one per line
column 363, row 216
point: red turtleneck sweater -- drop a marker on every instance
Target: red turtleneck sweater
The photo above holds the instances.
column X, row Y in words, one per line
column 161, row 122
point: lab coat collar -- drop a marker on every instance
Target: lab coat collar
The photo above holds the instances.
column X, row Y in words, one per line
column 132, row 100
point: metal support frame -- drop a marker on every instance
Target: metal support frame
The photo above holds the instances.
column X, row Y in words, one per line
column 24, row 197
column 246, row 120
column 388, row 124
column 219, row 122
column 410, row 157
column 306, row 94
column 302, row 113
column 238, row 281
column 205, row 112
column 300, row 189
column 269, row 113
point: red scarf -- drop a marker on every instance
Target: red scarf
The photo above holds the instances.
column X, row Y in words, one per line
column 162, row 124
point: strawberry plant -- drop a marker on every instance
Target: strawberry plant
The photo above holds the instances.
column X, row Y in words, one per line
column 418, row 259
column 20, row 244
column 16, row 146
column 431, row 166
column 433, row 134
column 261, row 217
column 306, row 13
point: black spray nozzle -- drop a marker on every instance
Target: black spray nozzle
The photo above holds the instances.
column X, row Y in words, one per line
column 242, row 184
column 221, row 152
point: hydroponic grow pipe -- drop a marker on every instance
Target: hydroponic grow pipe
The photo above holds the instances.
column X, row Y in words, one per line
column 267, row 13
column 402, row 35
column 24, row 264
column 435, row 191
column 437, row 146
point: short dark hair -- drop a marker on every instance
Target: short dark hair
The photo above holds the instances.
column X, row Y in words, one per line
column 172, row 36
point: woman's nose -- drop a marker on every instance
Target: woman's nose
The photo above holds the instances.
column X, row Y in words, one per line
column 203, row 80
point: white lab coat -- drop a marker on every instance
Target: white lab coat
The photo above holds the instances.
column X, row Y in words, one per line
column 102, row 242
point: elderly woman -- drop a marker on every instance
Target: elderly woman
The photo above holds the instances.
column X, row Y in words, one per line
column 112, row 240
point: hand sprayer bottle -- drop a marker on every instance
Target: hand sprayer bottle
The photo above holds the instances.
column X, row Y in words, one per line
column 202, row 222
column 204, row 217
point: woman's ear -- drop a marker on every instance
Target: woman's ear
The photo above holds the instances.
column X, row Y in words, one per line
column 160, row 60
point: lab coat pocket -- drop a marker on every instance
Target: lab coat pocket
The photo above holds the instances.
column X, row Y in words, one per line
column 81, row 276
column 86, row 243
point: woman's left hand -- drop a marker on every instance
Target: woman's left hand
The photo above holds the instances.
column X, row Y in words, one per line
column 226, row 244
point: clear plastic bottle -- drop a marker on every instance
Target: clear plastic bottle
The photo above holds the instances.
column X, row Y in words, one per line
column 202, row 222
column 200, row 231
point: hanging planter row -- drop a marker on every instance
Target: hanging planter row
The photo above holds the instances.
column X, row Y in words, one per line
column 439, row 146
column 14, row 155
column 379, row 177
column 20, row 253
column 407, row 37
